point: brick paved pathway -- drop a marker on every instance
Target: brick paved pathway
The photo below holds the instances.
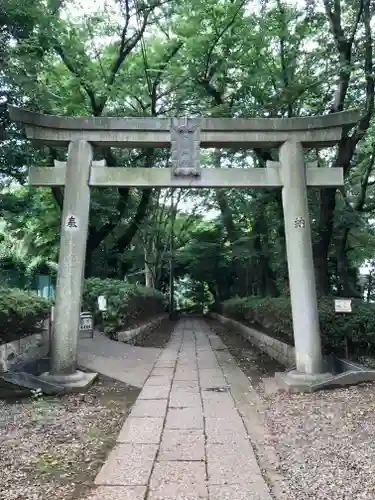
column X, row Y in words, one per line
column 185, row 438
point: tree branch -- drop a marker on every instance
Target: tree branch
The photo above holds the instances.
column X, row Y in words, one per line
column 69, row 64
column 284, row 65
column 344, row 48
column 217, row 39
column 127, row 45
column 157, row 80
column 369, row 73
column 361, row 200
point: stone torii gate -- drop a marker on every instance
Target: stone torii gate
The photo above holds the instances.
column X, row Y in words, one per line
column 185, row 137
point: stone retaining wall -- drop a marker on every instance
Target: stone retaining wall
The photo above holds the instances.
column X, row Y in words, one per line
column 281, row 352
column 25, row 349
column 136, row 334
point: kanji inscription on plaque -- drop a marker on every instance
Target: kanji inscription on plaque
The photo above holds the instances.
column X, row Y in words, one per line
column 185, row 148
column 299, row 223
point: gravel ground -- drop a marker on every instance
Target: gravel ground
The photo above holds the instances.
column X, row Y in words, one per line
column 52, row 448
column 325, row 442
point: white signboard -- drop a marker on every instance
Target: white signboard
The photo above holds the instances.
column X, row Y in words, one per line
column 343, row 305
column 102, row 303
column 86, row 323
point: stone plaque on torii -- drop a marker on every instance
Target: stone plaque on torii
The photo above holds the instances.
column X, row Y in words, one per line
column 185, row 136
column 185, row 148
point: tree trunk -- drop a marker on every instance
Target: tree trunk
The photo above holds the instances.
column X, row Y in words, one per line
column 321, row 248
column 89, row 261
column 346, row 280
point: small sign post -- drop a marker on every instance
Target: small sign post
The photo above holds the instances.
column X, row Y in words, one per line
column 102, row 306
column 86, row 323
column 102, row 303
column 344, row 306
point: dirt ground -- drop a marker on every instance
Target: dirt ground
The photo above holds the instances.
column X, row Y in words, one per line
column 253, row 362
column 325, row 441
column 158, row 336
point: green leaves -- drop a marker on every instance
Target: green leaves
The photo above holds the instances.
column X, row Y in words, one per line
column 20, row 313
column 128, row 305
column 227, row 58
column 275, row 315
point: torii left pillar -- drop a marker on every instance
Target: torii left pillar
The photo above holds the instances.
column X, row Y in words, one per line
column 74, row 231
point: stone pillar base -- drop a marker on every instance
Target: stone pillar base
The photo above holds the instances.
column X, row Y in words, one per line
column 294, row 382
column 76, row 382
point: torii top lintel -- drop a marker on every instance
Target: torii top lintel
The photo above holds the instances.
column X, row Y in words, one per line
column 316, row 131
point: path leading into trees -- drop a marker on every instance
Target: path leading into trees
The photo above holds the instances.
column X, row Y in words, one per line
column 186, row 437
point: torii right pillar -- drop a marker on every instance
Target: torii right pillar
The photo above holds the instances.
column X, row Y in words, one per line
column 308, row 350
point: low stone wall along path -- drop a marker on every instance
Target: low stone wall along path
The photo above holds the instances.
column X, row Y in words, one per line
column 184, row 438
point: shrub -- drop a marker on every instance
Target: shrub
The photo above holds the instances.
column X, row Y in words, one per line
column 21, row 313
column 274, row 314
column 127, row 305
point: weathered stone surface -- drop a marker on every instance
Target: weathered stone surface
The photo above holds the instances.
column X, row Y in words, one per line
column 278, row 350
column 256, row 491
column 137, row 430
column 231, row 463
column 207, row 363
column 185, row 147
column 155, row 132
column 301, row 270
column 190, row 386
column 188, row 474
column 212, row 382
column 187, row 374
column 129, row 364
column 220, row 405
column 178, row 470
column 180, row 444
column 23, row 380
column 74, row 227
column 183, row 399
column 165, row 364
column 21, row 115
column 184, row 418
column 154, row 392
column 178, row 491
column 209, row 139
column 149, row 408
column 118, row 493
column 162, row 372
column 158, row 381
column 76, row 382
column 210, row 373
column 23, row 350
column 220, row 430
column 128, row 465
